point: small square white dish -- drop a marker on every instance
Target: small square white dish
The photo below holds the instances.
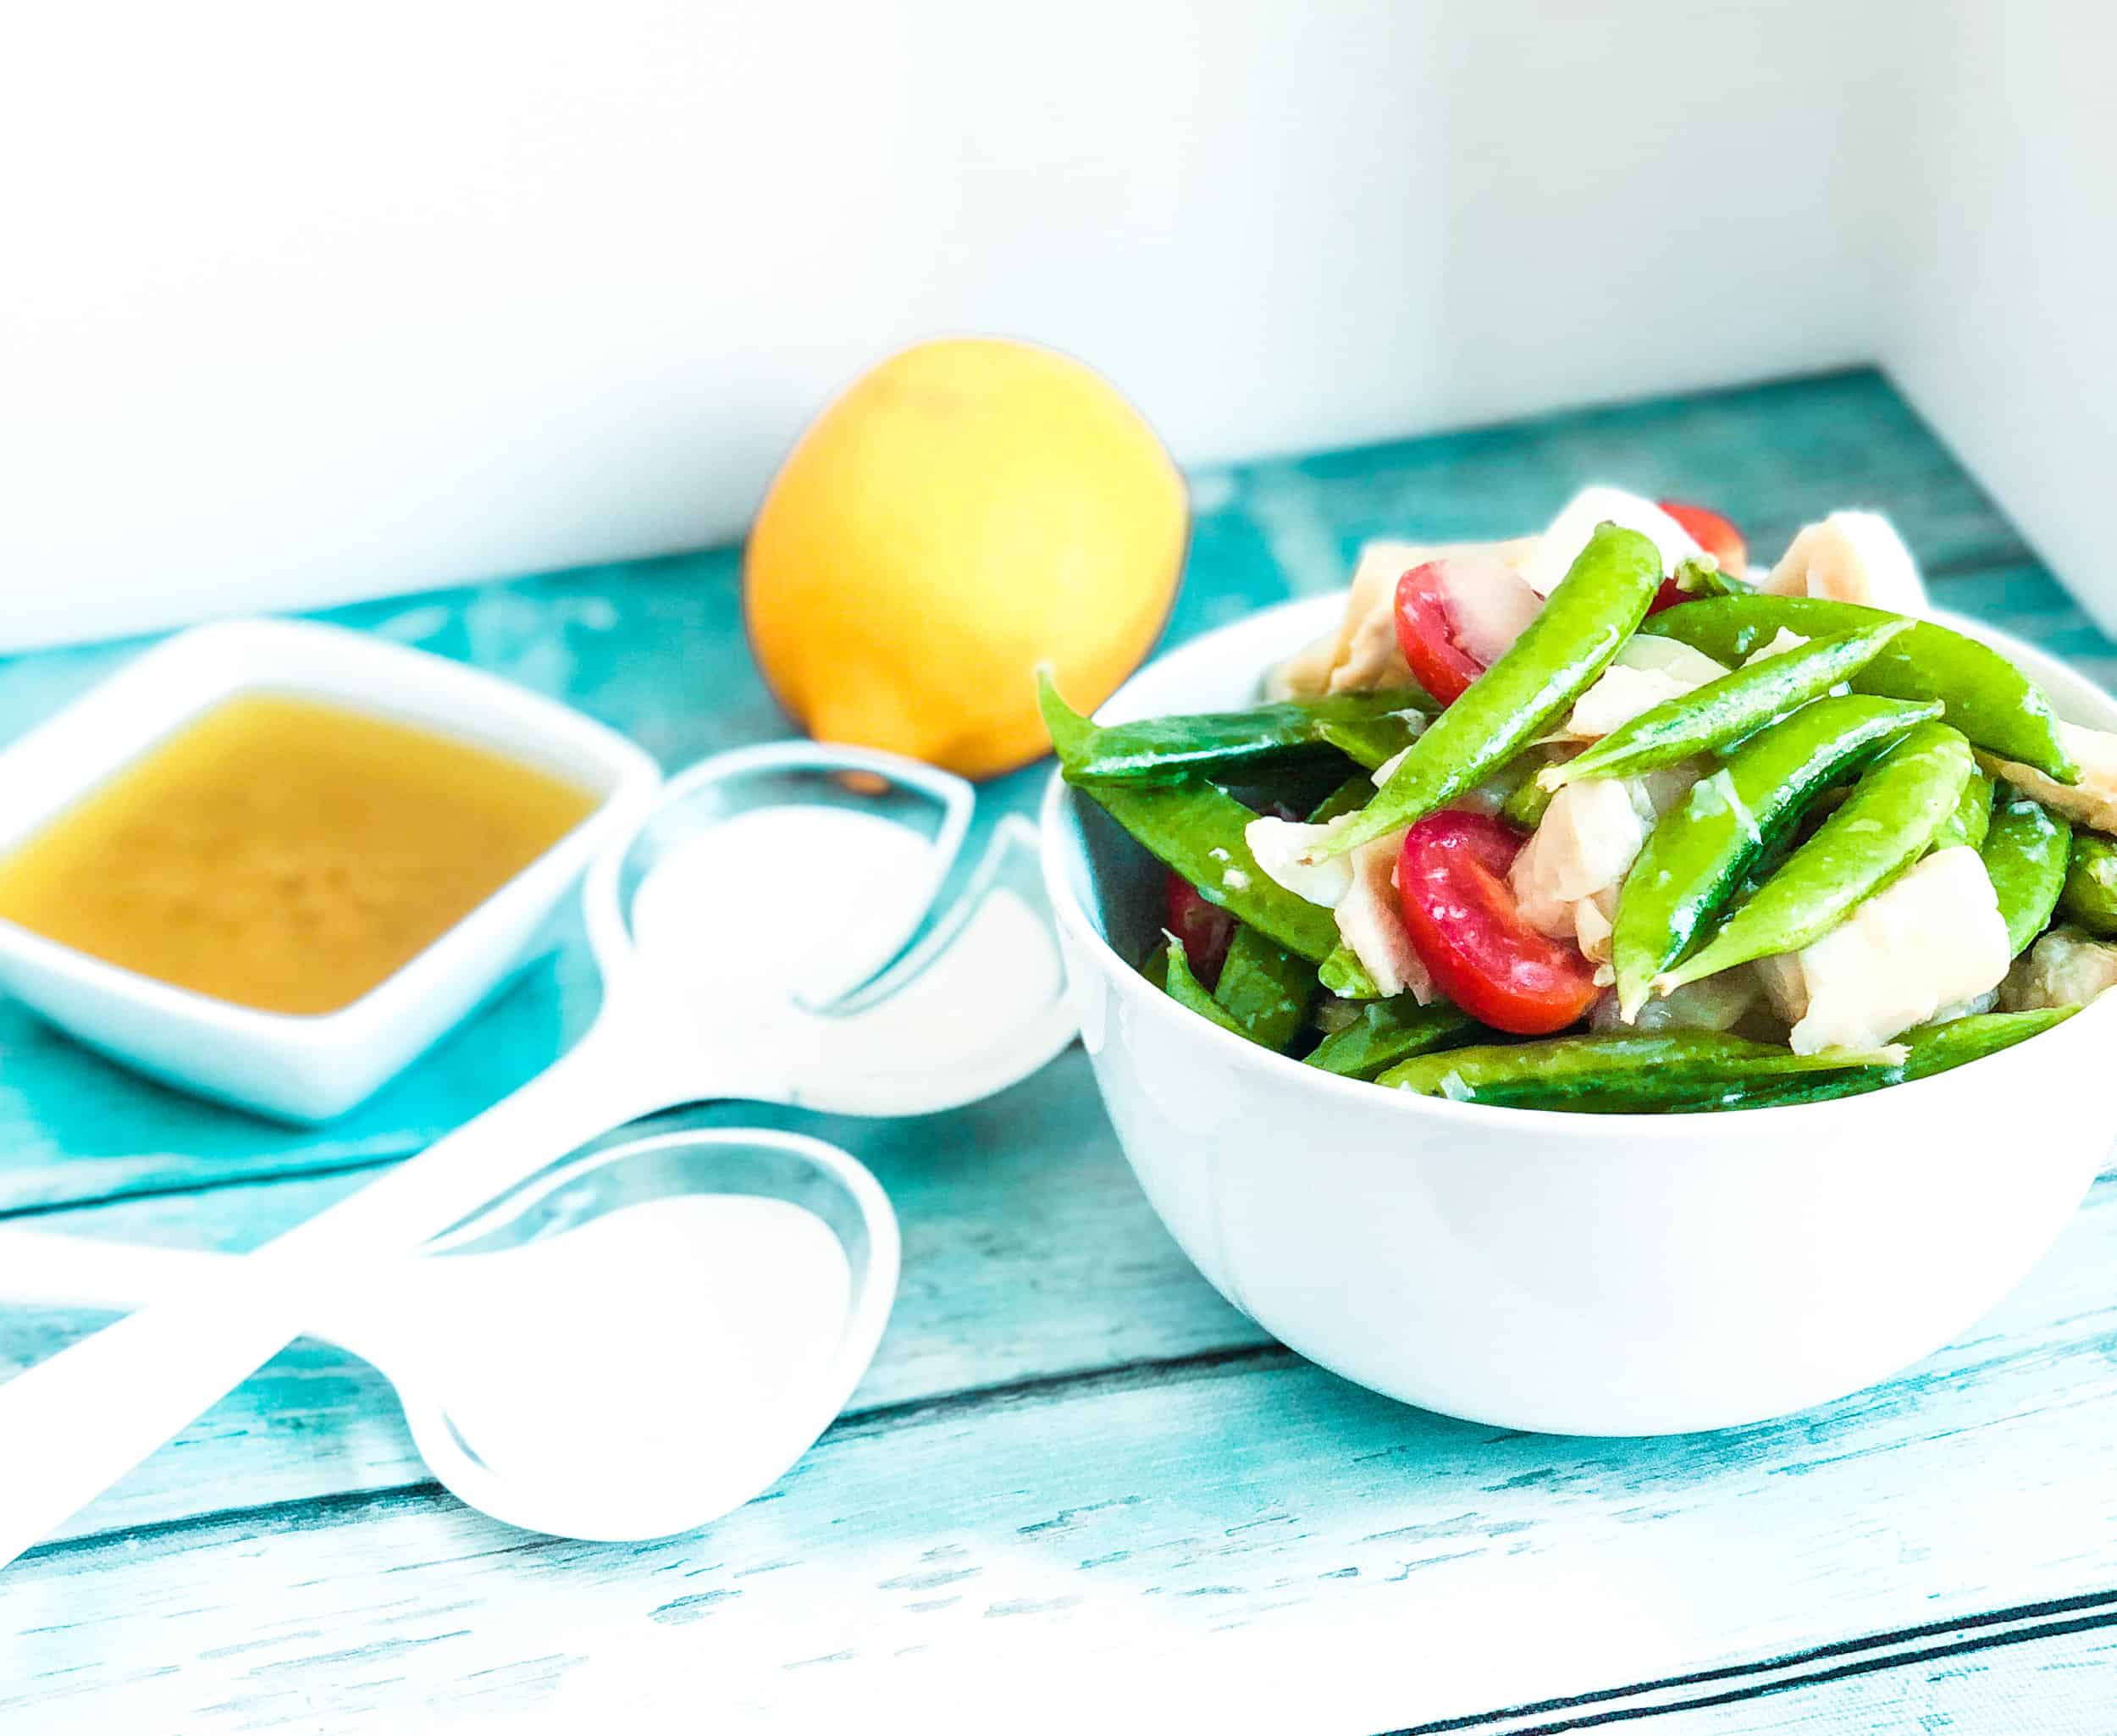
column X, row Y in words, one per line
column 301, row 1067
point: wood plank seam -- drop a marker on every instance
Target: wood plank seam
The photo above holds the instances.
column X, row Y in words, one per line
column 322, row 1172
column 1866, row 1654
column 314, row 1513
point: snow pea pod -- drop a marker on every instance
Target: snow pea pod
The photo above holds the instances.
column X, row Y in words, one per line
column 1197, row 828
column 1987, row 699
column 1638, row 1073
column 1603, row 597
column 1883, row 826
column 1928, row 1049
column 1369, row 741
column 1527, row 805
column 1737, row 704
column 2025, row 854
column 1186, row 990
column 1702, row 576
column 1349, row 798
column 1388, row 1031
column 1265, row 989
column 1369, row 727
column 1347, row 977
column 2089, row 896
column 1972, row 818
column 1694, row 857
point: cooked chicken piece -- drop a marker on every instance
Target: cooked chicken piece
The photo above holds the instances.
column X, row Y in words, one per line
column 1619, row 695
column 1716, row 1003
column 1672, row 658
column 1560, row 546
column 1931, row 937
column 1784, row 640
column 1371, row 922
column 1278, row 845
column 1594, row 920
column 1362, row 653
column 2065, row 967
column 1663, row 787
column 1583, row 845
column 2094, row 800
column 1644, row 672
column 1852, row 557
column 1360, row 891
column 1566, row 876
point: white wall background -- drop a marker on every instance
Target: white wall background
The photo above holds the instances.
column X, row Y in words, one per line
column 304, row 303
column 1999, row 319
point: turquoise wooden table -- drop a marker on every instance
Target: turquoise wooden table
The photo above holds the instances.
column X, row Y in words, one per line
column 1076, row 1482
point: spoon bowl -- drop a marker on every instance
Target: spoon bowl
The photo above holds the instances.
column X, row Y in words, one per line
column 629, row 1345
column 73, row 1422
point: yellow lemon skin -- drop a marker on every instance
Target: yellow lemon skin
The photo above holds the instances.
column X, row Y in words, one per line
column 967, row 510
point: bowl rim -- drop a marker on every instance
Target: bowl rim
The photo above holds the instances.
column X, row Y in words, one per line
column 1059, row 835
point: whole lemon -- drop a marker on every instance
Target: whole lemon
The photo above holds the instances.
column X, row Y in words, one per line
column 963, row 512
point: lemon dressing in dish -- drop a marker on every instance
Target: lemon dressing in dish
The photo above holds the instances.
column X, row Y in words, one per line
column 284, row 854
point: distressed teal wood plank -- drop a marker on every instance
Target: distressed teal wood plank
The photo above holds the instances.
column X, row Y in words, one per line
column 1029, row 1253
column 1151, row 1476
column 1199, row 1526
column 656, row 649
column 2065, row 1685
column 2048, row 1667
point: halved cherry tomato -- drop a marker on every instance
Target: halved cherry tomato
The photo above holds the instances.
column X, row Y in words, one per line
column 1713, row 533
column 1452, row 878
column 1426, row 631
column 1204, row 928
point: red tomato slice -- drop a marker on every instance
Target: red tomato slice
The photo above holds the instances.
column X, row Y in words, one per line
column 1426, row 630
column 1465, row 926
column 1714, row 533
column 1205, row 929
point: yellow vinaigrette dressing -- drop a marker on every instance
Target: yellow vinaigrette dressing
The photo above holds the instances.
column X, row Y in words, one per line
column 284, row 854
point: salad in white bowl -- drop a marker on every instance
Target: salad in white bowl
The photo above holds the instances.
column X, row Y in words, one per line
column 1603, row 1265
column 1598, row 820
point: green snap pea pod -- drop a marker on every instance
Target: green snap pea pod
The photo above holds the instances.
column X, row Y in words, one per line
column 1696, row 855
column 1369, row 741
column 1228, row 743
column 2025, row 853
column 1186, row 990
column 1155, row 968
column 1987, row 699
column 1929, row 1049
column 1603, row 597
column 1265, row 989
column 1972, row 818
column 1702, row 576
column 1527, row 805
column 1883, row 826
column 1737, row 704
column 1639, row 1073
column 1390, row 1032
column 2089, row 896
column 1345, row 976
column 1197, row 828
column 1349, row 798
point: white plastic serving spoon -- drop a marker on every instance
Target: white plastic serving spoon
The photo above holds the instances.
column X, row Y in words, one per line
column 74, row 1424
column 628, row 1346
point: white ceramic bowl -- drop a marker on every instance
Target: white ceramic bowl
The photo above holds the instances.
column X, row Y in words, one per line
column 304, row 1068
column 1592, row 1274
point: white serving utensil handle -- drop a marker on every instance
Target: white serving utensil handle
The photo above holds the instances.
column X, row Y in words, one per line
column 76, row 1423
column 56, row 1269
